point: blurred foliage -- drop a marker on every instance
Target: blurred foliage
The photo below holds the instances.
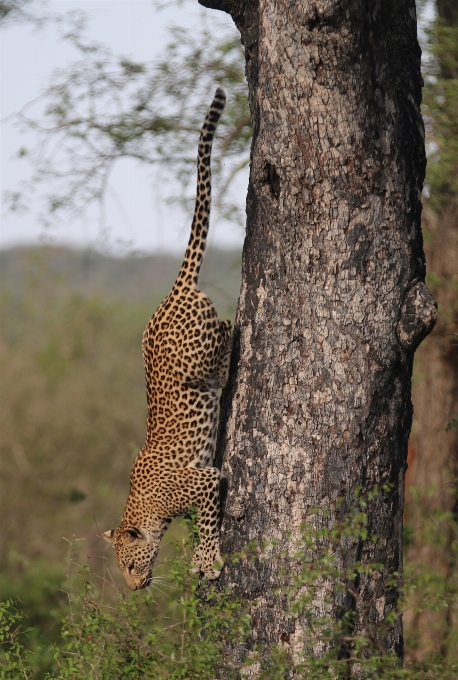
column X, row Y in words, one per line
column 72, row 410
column 440, row 108
column 431, row 526
column 440, row 220
column 432, row 552
column 431, row 621
column 37, row 589
column 23, row 11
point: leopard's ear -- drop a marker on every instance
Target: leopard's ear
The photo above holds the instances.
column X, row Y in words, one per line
column 109, row 535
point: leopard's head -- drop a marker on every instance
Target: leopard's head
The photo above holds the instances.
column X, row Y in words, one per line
column 135, row 551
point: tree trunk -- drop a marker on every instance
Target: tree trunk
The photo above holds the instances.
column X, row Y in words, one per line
column 333, row 301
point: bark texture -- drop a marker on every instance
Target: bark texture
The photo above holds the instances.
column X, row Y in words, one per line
column 333, row 301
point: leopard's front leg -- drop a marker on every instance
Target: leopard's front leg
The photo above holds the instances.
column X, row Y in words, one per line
column 199, row 489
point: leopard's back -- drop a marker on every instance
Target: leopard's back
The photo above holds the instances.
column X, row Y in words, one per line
column 182, row 384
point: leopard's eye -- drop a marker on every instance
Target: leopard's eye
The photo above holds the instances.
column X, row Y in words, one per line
column 130, row 567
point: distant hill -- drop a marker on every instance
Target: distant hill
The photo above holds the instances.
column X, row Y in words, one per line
column 133, row 278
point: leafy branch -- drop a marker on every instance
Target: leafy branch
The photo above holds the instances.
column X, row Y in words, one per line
column 104, row 108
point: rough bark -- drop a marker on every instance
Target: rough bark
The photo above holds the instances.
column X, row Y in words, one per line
column 333, row 301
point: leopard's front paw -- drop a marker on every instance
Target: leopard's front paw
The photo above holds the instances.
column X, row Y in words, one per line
column 214, row 571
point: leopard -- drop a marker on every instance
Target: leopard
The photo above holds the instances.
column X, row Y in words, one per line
column 186, row 354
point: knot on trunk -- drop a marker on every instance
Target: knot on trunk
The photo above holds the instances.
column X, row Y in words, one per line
column 418, row 317
column 273, row 179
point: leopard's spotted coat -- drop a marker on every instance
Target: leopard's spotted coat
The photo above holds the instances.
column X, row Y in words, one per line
column 186, row 352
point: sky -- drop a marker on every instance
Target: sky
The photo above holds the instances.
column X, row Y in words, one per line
column 136, row 219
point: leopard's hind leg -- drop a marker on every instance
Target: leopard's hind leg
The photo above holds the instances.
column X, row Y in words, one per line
column 198, row 488
column 222, row 368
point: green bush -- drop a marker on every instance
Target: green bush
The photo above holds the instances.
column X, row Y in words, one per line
column 180, row 631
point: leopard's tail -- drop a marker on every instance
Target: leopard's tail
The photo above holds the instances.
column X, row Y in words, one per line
column 189, row 272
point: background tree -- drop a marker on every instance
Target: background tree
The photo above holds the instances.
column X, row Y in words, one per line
column 433, row 460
